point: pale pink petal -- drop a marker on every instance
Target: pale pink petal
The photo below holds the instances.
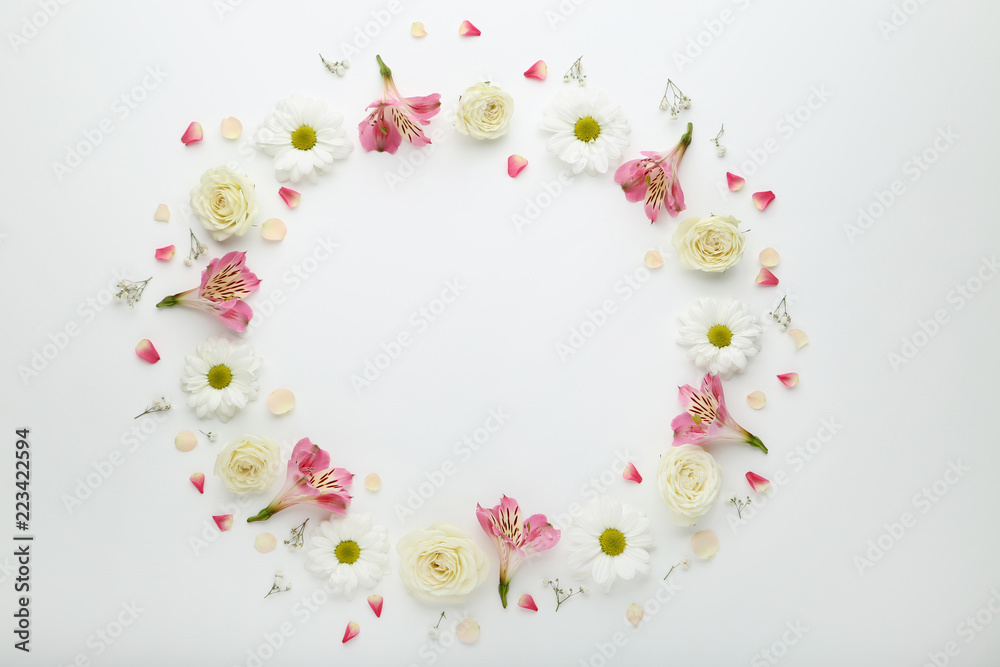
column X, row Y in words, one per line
column 800, row 338
column 468, row 630
column 758, row 483
column 789, row 379
column 162, row 213
column 468, row 30
column 198, row 479
column 765, row 277
column 290, row 197
column 232, row 128
column 653, row 259
column 417, row 29
column 351, row 632
column 756, row 399
column 375, row 602
column 634, row 614
column 762, row 199
column 146, row 351
column 769, row 257
column 515, row 165
column 192, row 134
column 265, row 543
column 273, row 229
column 631, row 474
column 527, row 602
column 165, row 253
column 373, row 482
column 224, row 521
column 538, row 71
column 705, row 544
column 735, row 182
column 185, row 441
column 280, row 401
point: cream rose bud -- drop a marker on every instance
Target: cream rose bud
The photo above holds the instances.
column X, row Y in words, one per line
column 709, row 244
column 248, row 464
column 689, row 481
column 484, row 111
column 225, row 202
column 441, row 564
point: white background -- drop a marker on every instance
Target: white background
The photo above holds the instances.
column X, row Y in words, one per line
column 794, row 562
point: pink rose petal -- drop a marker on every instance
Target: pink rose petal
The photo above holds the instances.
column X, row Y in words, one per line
column 165, row 253
column 758, row 483
column 527, row 602
column 375, row 602
column 373, row 482
column 538, row 71
column 265, row 543
column 634, row 614
column 762, row 199
column 631, row 474
column 705, row 544
column 468, row 30
column 765, row 277
column 351, row 632
column 290, row 197
column 224, row 521
column 273, row 229
column 756, row 399
column 417, row 29
column 735, row 182
column 769, row 257
column 231, row 128
column 515, row 165
column 280, row 401
column 192, row 134
column 146, row 351
column 467, row 631
column 789, row 379
column 800, row 338
column 198, row 479
column 162, row 213
column 185, row 441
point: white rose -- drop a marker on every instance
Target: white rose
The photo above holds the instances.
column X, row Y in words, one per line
column 248, row 464
column 484, row 112
column 441, row 564
column 709, row 244
column 689, row 480
column 226, row 203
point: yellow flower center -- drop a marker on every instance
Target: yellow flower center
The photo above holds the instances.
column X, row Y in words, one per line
column 720, row 335
column 587, row 129
column 220, row 376
column 304, row 138
column 612, row 542
column 347, row 551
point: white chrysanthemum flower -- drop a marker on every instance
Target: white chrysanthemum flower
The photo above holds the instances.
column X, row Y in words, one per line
column 304, row 137
column 348, row 552
column 721, row 336
column 221, row 378
column 609, row 541
column 590, row 130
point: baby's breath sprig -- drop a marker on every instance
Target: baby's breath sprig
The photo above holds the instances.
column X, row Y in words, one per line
column 339, row 67
column 562, row 594
column 575, row 72
column 279, row 581
column 674, row 100
column 130, row 291
column 740, row 505
column 684, row 563
column 197, row 249
column 435, row 631
column 211, row 435
column 780, row 314
column 159, row 405
column 297, row 536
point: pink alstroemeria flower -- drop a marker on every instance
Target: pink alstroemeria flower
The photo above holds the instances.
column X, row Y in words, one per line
column 223, row 285
column 515, row 539
column 394, row 117
column 309, row 480
column 654, row 179
column 706, row 417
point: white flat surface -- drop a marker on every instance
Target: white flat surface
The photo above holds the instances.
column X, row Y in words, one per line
column 793, row 563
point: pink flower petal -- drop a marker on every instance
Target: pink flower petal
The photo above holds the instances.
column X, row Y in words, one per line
column 265, row 543
column 351, row 632
column 290, row 197
column 273, row 229
column 527, row 602
column 765, row 277
column 756, row 399
column 280, row 401
column 375, row 602
column 467, row 631
column 653, row 259
column 231, row 128
column 224, row 521
column 634, row 614
column 758, row 483
column 162, row 213
column 538, row 71
column 705, row 544
column 631, row 474
column 165, row 253
column 515, row 165
column 468, row 30
column 198, row 479
column 417, row 29
column 769, row 257
column 146, row 351
column 762, row 199
column 735, row 182
column 789, row 379
column 800, row 338
column 185, row 441
column 373, row 482
column 192, row 134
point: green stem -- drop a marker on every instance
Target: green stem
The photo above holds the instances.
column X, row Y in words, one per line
column 686, row 137
column 503, row 593
column 167, row 302
column 383, row 69
column 754, row 441
column 262, row 515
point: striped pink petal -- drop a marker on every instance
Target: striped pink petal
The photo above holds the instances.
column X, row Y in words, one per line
column 515, row 165
column 538, row 71
column 631, row 474
column 527, row 602
column 762, row 199
column 224, row 521
column 351, row 632
column 165, row 253
column 145, row 350
column 789, row 379
column 290, row 197
column 468, row 30
column 735, row 182
column 765, row 277
column 192, row 134
column 758, row 483
column 375, row 602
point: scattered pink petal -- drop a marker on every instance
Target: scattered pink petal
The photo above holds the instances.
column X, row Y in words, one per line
column 758, row 483
column 538, row 71
column 146, row 351
column 185, row 441
column 351, row 632
column 373, row 482
column 290, row 197
column 165, row 253
column 273, row 229
column 769, row 257
column 765, row 277
column 527, row 602
column 198, row 479
column 800, row 338
column 653, row 259
column 375, row 602
column 762, row 199
column 705, row 544
column 224, row 521
column 417, row 29
column 468, row 30
column 467, row 631
column 631, row 474
column 515, row 165
column 634, row 614
column 789, row 379
column 265, row 543
column 232, row 128
column 162, row 213
column 756, row 399
column 280, row 401
column 736, row 183
column 192, row 134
